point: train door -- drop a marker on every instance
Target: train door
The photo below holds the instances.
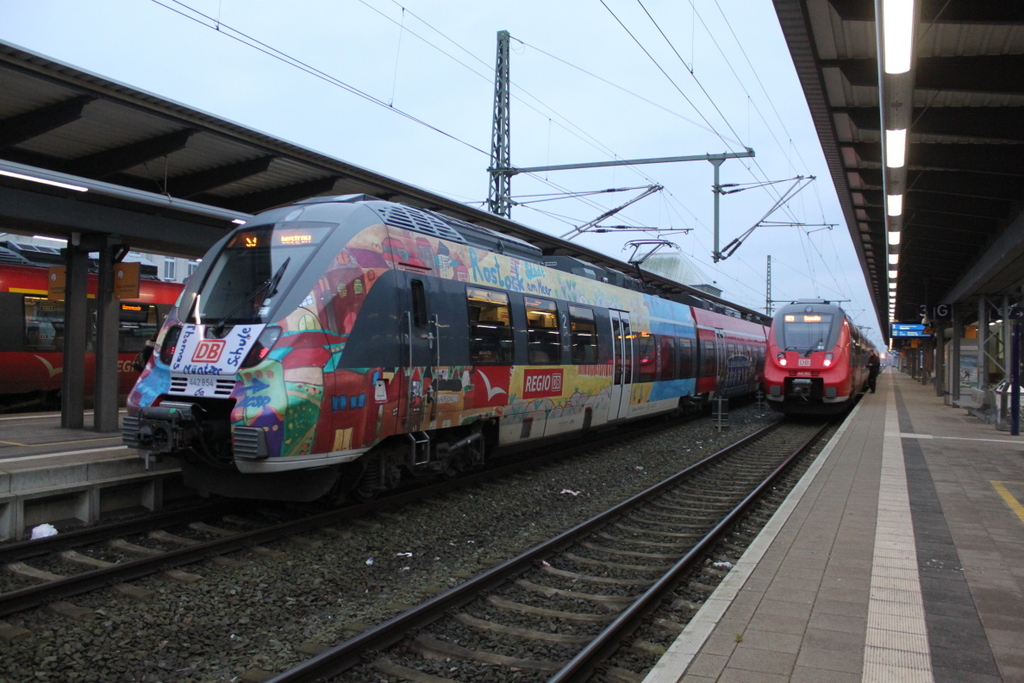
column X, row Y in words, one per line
column 622, row 368
column 420, row 353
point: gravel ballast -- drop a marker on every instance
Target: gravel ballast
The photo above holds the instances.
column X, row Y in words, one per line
column 256, row 616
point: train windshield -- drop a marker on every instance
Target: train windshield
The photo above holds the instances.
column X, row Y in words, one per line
column 806, row 332
column 254, row 267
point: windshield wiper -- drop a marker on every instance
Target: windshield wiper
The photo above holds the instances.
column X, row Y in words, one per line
column 809, row 351
column 269, row 286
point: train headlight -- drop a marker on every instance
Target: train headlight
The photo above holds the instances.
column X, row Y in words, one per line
column 781, row 357
column 262, row 347
column 828, row 359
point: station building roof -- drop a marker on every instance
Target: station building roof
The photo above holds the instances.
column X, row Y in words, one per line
column 170, row 179
column 961, row 232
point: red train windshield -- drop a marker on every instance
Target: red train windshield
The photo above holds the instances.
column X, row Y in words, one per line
column 255, row 265
column 805, row 332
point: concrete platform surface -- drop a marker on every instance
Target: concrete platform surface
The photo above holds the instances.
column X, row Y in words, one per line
column 30, row 440
column 900, row 557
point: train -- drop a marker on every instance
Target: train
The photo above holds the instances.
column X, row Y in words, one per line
column 343, row 346
column 32, row 334
column 817, row 359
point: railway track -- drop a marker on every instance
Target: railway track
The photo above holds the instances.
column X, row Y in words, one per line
column 558, row 610
column 73, row 563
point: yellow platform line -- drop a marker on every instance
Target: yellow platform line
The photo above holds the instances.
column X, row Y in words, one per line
column 1015, row 505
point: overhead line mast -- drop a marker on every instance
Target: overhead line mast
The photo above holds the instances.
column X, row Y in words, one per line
column 499, row 200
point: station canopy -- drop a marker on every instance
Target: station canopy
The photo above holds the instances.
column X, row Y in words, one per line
column 170, row 179
column 960, row 235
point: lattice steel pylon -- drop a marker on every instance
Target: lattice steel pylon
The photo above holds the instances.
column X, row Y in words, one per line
column 499, row 199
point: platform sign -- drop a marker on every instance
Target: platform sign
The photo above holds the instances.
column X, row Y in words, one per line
column 908, row 330
column 56, row 283
column 126, row 280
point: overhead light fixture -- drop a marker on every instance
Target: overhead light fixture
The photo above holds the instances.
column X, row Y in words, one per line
column 897, row 35
column 52, row 239
column 892, row 285
column 894, row 204
column 893, row 274
column 44, row 181
column 238, row 221
column 894, row 237
column 896, row 148
column 894, row 259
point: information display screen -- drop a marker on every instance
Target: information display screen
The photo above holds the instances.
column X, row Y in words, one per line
column 908, row 330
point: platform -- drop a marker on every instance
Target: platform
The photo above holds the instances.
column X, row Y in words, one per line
column 900, row 557
column 49, row 474
column 27, row 439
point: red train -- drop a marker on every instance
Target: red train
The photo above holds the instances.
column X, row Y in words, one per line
column 32, row 335
column 345, row 344
column 817, row 359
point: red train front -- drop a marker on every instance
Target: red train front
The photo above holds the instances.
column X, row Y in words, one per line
column 817, row 359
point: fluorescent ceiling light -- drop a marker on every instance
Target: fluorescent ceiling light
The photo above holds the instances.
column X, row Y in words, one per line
column 893, row 273
column 52, row 239
column 896, row 148
column 894, row 237
column 897, row 35
column 894, row 259
column 894, row 204
column 238, row 221
column 54, row 183
column 892, row 285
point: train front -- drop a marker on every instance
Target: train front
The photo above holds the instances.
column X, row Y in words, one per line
column 235, row 386
column 808, row 365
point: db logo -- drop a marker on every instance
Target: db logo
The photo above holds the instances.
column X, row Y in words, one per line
column 208, row 351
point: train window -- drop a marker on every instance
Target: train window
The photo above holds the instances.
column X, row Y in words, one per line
column 44, row 324
column 667, row 358
column 419, row 304
column 583, row 331
column 542, row 330
column 686, row 369
column 251, row 268
column 490, row 329
column 646, row 351
column 138, row 323
column 707, row 358
column 806, row 332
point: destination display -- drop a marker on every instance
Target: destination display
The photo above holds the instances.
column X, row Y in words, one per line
column 908, row 330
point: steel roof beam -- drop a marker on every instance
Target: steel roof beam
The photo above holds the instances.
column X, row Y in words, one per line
column 202, row 181
column 965, row 207
column 18, row 129
column 952, row 12
column 267, row 199
column 110, row 161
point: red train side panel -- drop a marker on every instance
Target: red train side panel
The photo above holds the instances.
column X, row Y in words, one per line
column 32, row 331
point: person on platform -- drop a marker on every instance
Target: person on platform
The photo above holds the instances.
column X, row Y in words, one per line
column 874, row 366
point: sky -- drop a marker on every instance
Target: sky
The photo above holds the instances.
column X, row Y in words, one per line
column 406, row 88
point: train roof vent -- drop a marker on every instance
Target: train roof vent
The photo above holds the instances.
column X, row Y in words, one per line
column 492, row 240
column 419, row 221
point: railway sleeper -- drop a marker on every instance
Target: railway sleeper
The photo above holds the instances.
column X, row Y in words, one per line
column 519, row 632
column 606, row 580
column 434, row 648
column 610, row 602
